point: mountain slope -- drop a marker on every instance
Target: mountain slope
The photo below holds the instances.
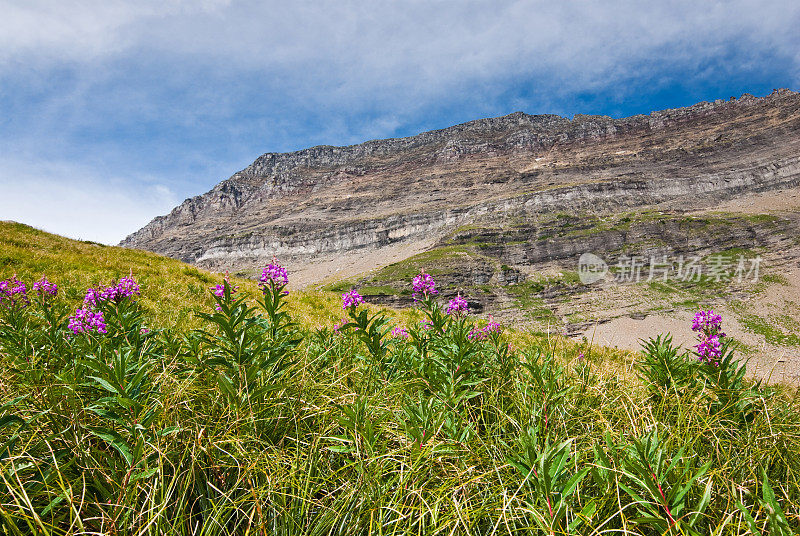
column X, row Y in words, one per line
column 320, row 203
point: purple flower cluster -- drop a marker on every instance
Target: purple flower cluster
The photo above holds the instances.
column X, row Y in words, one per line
column 275, row 275
column 482, row 334
column 707, row 322
column 45, row 288
column 710, row 349
column 123, row 289
column 400, row 333
column 87, row 320
column 219, row 290
column 457, row 306
column 351, row 299
column 337, row 327
column 13, row 293
column 708, row 326
column 423, row 286
column 426, row 324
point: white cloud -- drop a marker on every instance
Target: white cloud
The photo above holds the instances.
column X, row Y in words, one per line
column 78, row 201
column 386, row 49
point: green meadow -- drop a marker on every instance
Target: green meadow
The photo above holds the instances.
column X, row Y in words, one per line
column 244, row 411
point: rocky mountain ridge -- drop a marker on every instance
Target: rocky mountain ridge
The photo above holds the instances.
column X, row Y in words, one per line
column 327, row 200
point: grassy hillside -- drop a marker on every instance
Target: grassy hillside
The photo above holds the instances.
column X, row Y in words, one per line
column 264, row 420
column 171, row 290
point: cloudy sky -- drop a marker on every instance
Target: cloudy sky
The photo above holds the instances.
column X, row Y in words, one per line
column 112, row 112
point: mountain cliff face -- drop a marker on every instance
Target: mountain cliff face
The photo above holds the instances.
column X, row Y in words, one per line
column 304, row 205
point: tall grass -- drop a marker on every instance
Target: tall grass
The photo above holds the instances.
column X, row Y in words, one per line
column 256, row 422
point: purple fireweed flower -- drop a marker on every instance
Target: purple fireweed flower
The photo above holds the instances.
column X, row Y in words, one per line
column 707, row 322
column 13, row 293
column 87, row 320
column 492, row 326
column 92, row 297
column 274, row 274
column 477, row 334
column 708, row 326
column 400, row 333
column 126, row 287
column 426, row 324
column 709, row 350
column 457, row 306
column 351, row 299
column 45, row 288
column 219, row 290
column 423, row 286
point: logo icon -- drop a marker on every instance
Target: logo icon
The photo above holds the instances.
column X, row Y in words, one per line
column 591, row 268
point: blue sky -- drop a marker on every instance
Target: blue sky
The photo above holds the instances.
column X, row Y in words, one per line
column 112, row 112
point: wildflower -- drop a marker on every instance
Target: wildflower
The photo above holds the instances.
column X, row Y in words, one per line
column 457, row 306
column 708, row 326
column 124, row 288
column 351, row 299
column 477, row 334
column 219, row 290
column 91, row 298
column 14, row 292
column 274, row 275
column 423, row 286
column 710, row 350
column 707, row 322
column 492, row 326
column 400, row 333
column 87, row 320
column 426, row 324
column 340, row 325
column 45, row 288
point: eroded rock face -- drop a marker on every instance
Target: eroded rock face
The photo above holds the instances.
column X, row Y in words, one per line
column 327, row 200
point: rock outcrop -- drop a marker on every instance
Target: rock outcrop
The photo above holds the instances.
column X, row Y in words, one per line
column 328, row 200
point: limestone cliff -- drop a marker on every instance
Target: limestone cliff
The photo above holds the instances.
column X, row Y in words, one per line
column 329, row 200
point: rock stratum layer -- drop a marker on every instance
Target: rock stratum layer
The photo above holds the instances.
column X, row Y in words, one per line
column 327, row 200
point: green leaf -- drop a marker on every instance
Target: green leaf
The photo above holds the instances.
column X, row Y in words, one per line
column 105, row 385
column 679, row 497
column 52, row 503
column 702, row 505
column 115, row 440
column 584, row 515
column 142, row 475
column 751, row 523
column 572, row 482
column 7, row 420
